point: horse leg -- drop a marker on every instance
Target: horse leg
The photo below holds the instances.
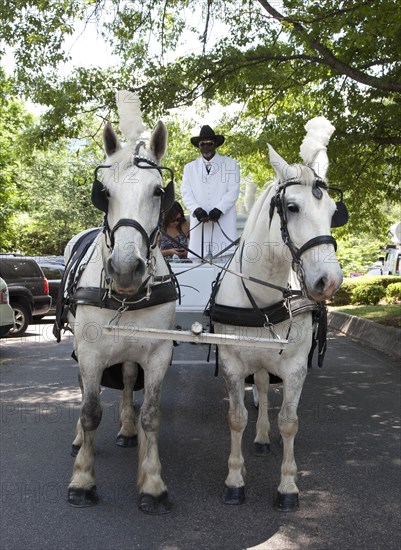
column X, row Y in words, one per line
column 153, row 495
column 234, row 490
column 82, row 488
column 77, row 443
column 287, row 496
column 127, row 436
column 262, row 439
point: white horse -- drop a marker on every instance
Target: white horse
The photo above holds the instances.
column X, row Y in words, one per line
column 124, row 270
column 288, row 230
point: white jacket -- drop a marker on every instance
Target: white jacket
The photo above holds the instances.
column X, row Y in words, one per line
column 218, row 189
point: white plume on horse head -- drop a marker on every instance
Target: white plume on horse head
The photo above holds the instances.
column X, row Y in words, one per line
column 130, row 115
column 314, row 146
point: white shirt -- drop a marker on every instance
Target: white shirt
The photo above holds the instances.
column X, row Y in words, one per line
column 218, row 189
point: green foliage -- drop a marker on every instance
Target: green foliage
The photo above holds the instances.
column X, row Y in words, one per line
column 276, row 64
column 393, row 293
column 14, row 120
column 346, row 292
column 45, row 190
column 367, row 294
column 57, row 186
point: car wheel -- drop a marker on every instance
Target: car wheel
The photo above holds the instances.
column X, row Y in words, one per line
column 21, row 318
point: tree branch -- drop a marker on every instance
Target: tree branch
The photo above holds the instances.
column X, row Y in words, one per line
column 387, row 140
column 327, row 56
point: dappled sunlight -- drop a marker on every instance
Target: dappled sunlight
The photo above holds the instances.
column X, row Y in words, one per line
column 303, row 529
column 348, row 408
column 279, row 540
column 42, row 394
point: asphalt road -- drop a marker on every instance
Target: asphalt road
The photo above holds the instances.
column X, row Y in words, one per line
column 347, row 451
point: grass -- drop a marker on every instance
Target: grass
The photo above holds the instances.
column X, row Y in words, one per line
column 388, row 314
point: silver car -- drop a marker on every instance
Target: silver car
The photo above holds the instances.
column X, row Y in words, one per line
column 6, row 311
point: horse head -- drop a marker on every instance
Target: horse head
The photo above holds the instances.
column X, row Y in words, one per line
column 305, row 212
column 132, row 196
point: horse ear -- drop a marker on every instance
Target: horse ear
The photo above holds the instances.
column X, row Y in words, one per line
column 158, row 141
column 284, row 171
column 110, row 140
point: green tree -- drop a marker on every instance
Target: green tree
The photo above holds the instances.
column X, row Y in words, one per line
column 14, row 120
column 44, row 190
column 57, row 187
column 279, row 64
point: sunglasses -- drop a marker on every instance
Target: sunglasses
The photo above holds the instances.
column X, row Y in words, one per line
column 205, row 143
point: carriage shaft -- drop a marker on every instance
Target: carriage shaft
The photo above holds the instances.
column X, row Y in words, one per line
column 202, row 338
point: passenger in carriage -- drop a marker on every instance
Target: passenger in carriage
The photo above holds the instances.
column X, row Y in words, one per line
column 175, row 237
column 210, row 189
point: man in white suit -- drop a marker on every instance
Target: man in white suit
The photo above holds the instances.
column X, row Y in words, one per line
column 210, row 189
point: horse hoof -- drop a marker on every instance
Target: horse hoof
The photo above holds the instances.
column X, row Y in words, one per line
column 149, row 504
column 234, row 495
column 125, row 441
column 262, row 449
column 82, row 498
column 75, row 450
column 287, row 503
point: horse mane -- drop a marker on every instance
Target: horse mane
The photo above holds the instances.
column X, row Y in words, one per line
column 255, row 212
column 260, row 208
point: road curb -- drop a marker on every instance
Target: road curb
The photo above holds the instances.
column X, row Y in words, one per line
column 379, row 337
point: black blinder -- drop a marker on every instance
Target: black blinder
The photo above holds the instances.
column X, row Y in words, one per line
column 340, row 216
column 168, row 196
column 99, row 193
column 99, row 196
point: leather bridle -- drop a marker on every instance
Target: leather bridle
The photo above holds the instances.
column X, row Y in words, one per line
column 278, row 203
column 100, row 200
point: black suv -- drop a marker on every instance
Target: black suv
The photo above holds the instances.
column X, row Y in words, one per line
column 28, row 289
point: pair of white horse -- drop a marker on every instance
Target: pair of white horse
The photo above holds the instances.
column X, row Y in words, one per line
column 129, row 267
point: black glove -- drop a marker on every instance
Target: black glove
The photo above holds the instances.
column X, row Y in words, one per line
column 215, row 214
column 201, row 215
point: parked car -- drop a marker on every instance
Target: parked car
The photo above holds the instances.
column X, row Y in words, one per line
column 392, row 261
column 28, row 290
column 53, row 267
column 376, row 268
column 6, row 311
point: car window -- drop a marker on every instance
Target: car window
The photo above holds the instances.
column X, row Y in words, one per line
column 19, row 269
column 51, row 272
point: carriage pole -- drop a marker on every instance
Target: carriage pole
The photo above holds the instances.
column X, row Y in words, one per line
column 198, row 337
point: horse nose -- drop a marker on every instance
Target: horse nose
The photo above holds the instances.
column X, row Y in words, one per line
column 128, row 275
column 134, row 267
column 326, row 286
column 321, row 283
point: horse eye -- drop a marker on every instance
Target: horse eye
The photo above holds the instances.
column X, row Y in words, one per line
column 292, row 207
column 158, row 192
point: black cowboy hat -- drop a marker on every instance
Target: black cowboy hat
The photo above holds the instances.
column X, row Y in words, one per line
column 207, row 133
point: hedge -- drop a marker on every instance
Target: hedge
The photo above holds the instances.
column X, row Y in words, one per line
column 368, row 294
column 393, row 293
column 344, row 296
